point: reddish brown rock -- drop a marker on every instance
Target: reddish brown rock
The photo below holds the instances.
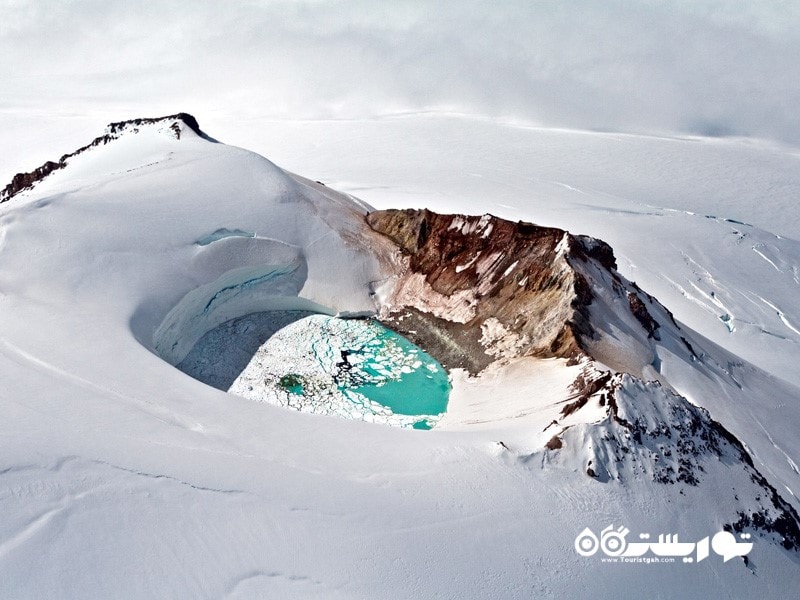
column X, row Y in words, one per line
column 475, row 289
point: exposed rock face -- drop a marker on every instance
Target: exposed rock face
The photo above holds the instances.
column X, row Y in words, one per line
column 25, row 181
column 651, row 433
column 476, row 289
column 586, row 385
column 186, row 118
column 642, row 315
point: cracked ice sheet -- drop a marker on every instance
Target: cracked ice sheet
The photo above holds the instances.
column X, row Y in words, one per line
column 310, row 351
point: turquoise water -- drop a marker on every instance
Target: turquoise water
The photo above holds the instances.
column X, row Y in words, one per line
column 368, row 361
column 422, row 391
column 293, row 383
column 352, row 368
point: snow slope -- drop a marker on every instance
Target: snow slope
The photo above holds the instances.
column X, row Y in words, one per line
column 123, row 477
column 668, row 206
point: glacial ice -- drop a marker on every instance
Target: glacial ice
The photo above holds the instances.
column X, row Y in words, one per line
column 223, row 233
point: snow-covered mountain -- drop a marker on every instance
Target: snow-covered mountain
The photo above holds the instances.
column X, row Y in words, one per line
column 577, row 399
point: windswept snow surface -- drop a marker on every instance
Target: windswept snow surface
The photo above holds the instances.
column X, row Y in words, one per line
column 709, row 226
column 122, row 477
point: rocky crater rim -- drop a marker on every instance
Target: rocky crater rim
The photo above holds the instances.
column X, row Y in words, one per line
column 26, row 181
column 475, row 289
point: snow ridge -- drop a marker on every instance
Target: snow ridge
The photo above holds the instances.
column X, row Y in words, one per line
column 176, row 124
column 651, row 434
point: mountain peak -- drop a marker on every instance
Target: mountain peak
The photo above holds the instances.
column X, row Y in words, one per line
column 185, row 118
column 174, row 125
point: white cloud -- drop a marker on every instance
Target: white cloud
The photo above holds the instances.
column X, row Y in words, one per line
column 713, row 66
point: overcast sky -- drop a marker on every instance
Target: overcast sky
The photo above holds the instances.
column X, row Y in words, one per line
column 713, row 67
